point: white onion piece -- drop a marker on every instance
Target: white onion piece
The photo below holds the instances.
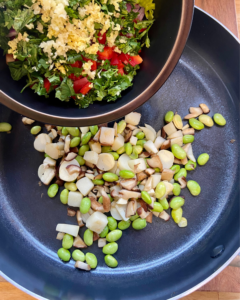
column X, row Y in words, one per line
column 150, row 135
column 167, row 158
column 123, row 162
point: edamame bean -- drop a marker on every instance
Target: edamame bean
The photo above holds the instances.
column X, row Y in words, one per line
column 80, row 160
column 157, row 207
column 98, row 181
column 106, row 149
column 121, row 150
column 115, row 155
column 169, row 116
column 178, row 152
column 177, row 121
column 188, row 139
column 146, row 197
column 194, row 187
column 132, row 218
column 203, row 159
column 91, row 260
column 121, row 126
column 176, row 189
column 138, row 149
column 85, row 205
column 100, row 200
column 64, row 254
column 126, row 174
column 78, row 255
column 128, row 148
column 71, row 186
column 219, row 119
column 59, row 127
column 206, row 120
column 196, row 124
column 164, row 203
column 110, row 177
column 5, row 127
column 141, row 142
column 123, row 225
column 112, row 224
column 67, row 241
column 64, row 131
column 134, row 155
column 175, row 168
column 160, row 190
column 114, row 235
column 52, row 190
column 191, row 165
column 83, row 149
column 157, row 170
column 64, row 196
column 35, row 130
column 86, row 138
column 139, row 224
column 94, row 129
column 104, row 233
column 177, row 214
column 74, row 131
column 177, row 202
column 111, row 261
column 75, row 141
column 140, row 135
column 46, row 155
column 180, row 173
column 110, row 248
column 88, row 237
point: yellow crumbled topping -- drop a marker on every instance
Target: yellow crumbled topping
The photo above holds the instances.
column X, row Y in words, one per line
column 40, row 27
column 87, row 69
column 116, row 49
column 13, row 44
column 116, row 4
column 30, row 26
column 111, row 39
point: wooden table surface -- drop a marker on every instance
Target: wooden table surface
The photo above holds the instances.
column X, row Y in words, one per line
column 226, row 286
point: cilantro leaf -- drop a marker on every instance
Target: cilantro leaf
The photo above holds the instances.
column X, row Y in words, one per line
column 65, row 90
column 17, row 70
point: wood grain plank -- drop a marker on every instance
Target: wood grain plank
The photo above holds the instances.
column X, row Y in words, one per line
column 223, row 10
column 202, row 296
column 237, row 2
column 228, row 296
column 10, row 292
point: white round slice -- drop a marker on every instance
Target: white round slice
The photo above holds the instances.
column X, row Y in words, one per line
column 123, row 162
column 115, row 214
column 63, row 172
column 167, row 158
column 105, row 162
column 41, row 141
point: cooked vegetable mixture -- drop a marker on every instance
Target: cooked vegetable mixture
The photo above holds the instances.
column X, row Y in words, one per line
column 87, row 50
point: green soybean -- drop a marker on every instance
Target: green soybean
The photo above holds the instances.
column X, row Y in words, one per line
column 206, row 120
column 175, row 168
column 115, row 155
column 67, row 241
column 121, row 150
column 191, row 165
column 196, row 124
column 139, row 224
column 64, row 254
column 194, row 187
column 75, row 141
column 106, row 149
column 80, row 160
column 91, row 260
column 123, row 225
column 188, row 139
column 110, row 177
column 71, row 186
column 121, row 126
column 178, row 152
column 157, row 170
column 138, row 149
column 203, row 159
column 169, row 116
column 83, row 149
column 46, row 155
column 88, row 237
column 160, row 190
column 132, row 218
column 74, row 131
column 146, row 197
column 157, row 207
column 52, row 190
column 140, row 135
column 176, row 189
column 141, row 142
column 86, row 138
column 64, row 131
column 78, row 255
column 164, row 203
column 114, row 235
column 111, row 261
column 104, row 233
column 35, row 130
column 219, row 119
column 110, row 248
column 180, row 173
column 98, row 181
column 5, row 127
column 177, row 214
column 59, row 127
column 134, row 155
column 100, row 200
column 64, row 196
column 85, row 205
column 93, row 129
column 128, row 148
column 126, row 174
column 112, row 223
column 177, row 202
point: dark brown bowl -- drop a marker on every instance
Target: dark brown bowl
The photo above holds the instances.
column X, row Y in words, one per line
column 168, row 37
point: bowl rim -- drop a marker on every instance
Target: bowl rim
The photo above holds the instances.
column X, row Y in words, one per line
column 181, row 39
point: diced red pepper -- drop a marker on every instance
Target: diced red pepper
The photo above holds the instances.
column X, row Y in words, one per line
column 85, row 89
column 47, row 84
column 135, row 60
column 77, row 64
column 121, row 71
column 73, row 77
column 80, row 83
column 106, row 54
column 94, row 65
column 115, row 60
column 102, row 38
column 141, row 30
column 124, row 58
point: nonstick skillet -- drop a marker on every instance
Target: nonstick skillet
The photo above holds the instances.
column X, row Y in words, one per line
column 162, row 261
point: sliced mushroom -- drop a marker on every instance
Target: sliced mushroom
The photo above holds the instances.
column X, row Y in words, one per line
column 133, row 118
column 67, row 144
column 143, row 204
column 122, row 201
column 128, row 184
column 114, row 212
column 71, row 212
column 196, row 110
column 183, row 182
column 178, row 141
column 105, row 162
column 48, row 161
column 73, row 169
column 114, row 191
column 70, row 156
column 41, row 141
column 131, row 208
column 163, row 133
column 144, row 154
column 136, row 189
column 74, row 150
column 190, row 116
column 155, row 162
column 128, row 135
column 188, row 149
column 141, row 176
column 149, row 217
column 102, row 242
column 60, row 236
column 99, row 176
column 149, row 184
column 115, row 129
column 95, row 236
column 166, row 145
column 82, row 266
column 27, row 121
column 156, row 179
column 95, row 205
column 175, row 135
column 46, row 175
column 142, row 213
column 184, row 161
column 158, row 142
column 149, row 172
column 129, row 194
column 177, row 161
column 156, row 214
column 59, row 182
column 89, row 165
column 204, row 108
column 131, row 127
column 164, row 215
column 48, row 127
column 144, row 182
column 185, row 127
column 106, row 201
column 189, row 131
column 97, row 136
column 107, row 136
column 167, row 174
column 137, row 165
